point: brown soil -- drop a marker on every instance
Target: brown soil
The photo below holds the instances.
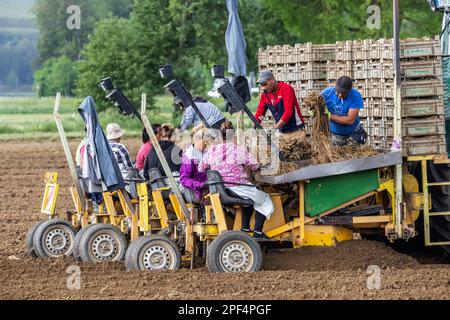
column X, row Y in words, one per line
column 308, row 273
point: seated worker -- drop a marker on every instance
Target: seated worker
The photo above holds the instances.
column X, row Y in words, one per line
column 343, row 103
column 114, row 133
column 171, row 152
column 146, row 146
column 279, row 98
column 231, row 161
column 190, row 177
column 209, row 110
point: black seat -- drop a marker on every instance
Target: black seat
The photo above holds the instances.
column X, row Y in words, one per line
column 132, row 178
column 156, row 179
column 190, row 197
column 227, row 197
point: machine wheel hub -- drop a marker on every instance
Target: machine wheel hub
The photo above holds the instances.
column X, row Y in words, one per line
column 157, row 257
column 104, row 247
column 236, row 257
column 57, row 241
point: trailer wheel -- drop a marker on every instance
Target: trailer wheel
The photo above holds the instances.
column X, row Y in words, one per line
column 29, row 239
column 76, row 242
column 234, row 251
column 54, row 238
column 102, row 243
column 155, row 252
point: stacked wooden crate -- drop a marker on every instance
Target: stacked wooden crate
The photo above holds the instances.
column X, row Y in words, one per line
column 422, row 97
column 372, row 72
column 309, row 67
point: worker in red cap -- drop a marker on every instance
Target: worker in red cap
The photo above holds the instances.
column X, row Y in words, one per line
column 279, row 98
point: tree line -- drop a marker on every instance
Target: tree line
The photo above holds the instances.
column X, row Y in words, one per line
column 128, row 40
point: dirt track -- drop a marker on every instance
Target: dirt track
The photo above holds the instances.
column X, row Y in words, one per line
column 309, row 273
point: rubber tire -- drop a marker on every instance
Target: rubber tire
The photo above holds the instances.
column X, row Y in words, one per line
column 128, row 265
column 29, row 239
column 76, row 243
column 132, row 257
column 163, row 232
column 90, row 232
column 37, row 237
column 212, row 256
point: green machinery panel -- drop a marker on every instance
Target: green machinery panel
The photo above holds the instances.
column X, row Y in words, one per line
column 325, row 193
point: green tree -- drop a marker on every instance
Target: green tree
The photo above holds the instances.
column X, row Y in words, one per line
column 113, row 51
column 327, row 21
column 56, row 75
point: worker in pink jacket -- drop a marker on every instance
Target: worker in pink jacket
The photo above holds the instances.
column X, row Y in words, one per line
column 231, row 160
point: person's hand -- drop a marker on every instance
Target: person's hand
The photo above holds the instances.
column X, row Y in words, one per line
column 312, row 112
column 327, row 113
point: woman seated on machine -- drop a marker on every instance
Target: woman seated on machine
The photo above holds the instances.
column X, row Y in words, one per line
column 190, row 177
column 231, row 161
column 171, row 152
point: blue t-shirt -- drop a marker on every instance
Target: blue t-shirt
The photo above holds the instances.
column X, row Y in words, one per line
column 341, row 107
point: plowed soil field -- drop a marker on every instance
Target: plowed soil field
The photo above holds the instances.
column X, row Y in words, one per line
column 307, row 273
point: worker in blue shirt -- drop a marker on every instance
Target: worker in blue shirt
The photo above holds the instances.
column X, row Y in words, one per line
column 343, row 103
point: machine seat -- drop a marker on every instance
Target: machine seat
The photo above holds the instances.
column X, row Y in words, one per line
column 227, row 197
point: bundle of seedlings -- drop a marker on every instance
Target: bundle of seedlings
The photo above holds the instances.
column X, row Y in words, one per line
column 322, row 149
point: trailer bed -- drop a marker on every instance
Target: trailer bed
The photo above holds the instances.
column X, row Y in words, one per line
column 334, row 168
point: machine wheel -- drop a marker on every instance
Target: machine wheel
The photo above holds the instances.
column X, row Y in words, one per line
column 76, row 242
column 102, row 243
column 234, row 251
column 128, row 265
column 54, row 238
column 155, row 252
column 164, row 232
column 29, row 239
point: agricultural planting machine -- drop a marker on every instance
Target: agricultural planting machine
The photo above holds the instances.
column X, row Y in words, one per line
column 160, row 227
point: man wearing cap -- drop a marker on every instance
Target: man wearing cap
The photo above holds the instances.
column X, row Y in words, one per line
column 114, row 133
column 343, row 103
column 279, row 98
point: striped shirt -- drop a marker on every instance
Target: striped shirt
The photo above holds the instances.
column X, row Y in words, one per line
column 122, row 156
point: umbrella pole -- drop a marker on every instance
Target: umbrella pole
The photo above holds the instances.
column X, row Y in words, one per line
column 397, row 122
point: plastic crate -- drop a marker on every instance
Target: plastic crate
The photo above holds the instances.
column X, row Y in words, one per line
column 290, row 54
column 377, row 107
column 361, row 49
column 262, row 57
column 312, row 71
column 381, row 69
column 428, row 126
column 421, row 68
column 335, row 70
column 381, row 49
column 343, row 51
column 424, row 146
column 291, row 72
column 426, row 47
column 380, row 88
column 422, row 88
column 422, row 107
column 303, row 52
column 323, row 52
column 362, row 86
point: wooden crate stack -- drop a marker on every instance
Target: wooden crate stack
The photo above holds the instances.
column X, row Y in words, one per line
column 422, row 97
column 308, row 67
